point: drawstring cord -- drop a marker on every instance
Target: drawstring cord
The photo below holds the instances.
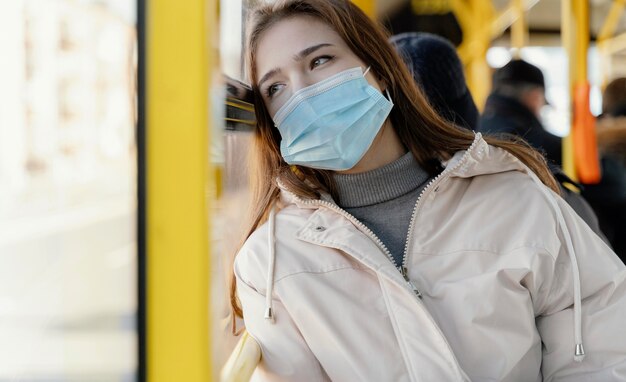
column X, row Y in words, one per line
column 269, row 311
column 579, row 350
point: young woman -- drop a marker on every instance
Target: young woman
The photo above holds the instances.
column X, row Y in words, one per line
column 389, row 245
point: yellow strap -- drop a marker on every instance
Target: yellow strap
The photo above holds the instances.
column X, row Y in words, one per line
column 243, row 105
column 251, row 122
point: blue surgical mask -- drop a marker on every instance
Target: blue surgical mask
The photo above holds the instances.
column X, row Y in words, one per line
column 330, row 125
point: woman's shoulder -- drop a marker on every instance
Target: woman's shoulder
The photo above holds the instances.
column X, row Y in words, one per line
column 512, row 209
column 528, row 211
column 515, row 186
column 253, row 259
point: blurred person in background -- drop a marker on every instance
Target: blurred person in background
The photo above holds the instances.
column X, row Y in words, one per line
column 612, row 122
column 608, row 198
column 386, row 243
column 514, row 107
column 438, row 71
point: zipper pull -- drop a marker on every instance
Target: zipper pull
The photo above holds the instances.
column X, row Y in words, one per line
column 404, row 272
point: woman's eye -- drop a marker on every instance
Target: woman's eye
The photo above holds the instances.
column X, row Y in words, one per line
column 320, row 60
column 272, row 89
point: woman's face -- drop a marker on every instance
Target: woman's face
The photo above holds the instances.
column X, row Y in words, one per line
column 298, row 52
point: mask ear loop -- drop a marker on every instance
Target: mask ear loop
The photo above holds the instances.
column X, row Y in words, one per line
column 386, row 90
column 388, row 95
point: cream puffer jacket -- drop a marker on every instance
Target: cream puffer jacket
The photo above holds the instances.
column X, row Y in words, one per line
column 501, row 281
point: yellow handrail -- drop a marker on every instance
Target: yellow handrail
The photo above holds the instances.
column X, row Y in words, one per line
column 614, row 44
column 612, row 20
column 607, row 43
column 242, row 361
column 481, row 23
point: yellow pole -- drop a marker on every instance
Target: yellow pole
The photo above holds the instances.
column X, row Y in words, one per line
column 471, row 22
column 585, row 150
column 519, row 29
column 567, row 38
column 178, row 123
column 615, row 44
column 581, row 16
column 368, row 6
column 612, row 19
column 480, row 24
column 604, row 37
column 478, row 40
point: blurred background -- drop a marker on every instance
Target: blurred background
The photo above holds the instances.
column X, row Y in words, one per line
column 67, row 190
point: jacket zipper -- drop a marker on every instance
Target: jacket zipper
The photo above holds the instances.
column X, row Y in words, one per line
column 403, row 267
column 383, row 247
column 437, row 179
column 368, row 232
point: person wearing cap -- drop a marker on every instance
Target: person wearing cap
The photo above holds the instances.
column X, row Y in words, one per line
column 614, row 98
column 514, row 106
column 438, row 71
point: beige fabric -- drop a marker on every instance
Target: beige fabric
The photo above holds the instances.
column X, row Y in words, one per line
column 495, row 256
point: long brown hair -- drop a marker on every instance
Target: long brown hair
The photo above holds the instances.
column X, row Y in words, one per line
column 418, row 126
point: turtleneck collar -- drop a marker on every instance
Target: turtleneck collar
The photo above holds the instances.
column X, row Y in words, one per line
column 380, row 185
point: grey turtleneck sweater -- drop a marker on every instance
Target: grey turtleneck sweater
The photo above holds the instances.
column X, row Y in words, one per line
column 383, row 199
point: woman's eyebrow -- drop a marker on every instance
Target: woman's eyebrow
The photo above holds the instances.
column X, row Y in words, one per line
column 298, row 57
column 305, row 52
column 268, row 75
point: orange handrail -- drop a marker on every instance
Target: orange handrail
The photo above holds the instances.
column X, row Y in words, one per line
column 584, row 135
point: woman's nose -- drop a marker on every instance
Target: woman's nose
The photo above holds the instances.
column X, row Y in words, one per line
column 298, row 83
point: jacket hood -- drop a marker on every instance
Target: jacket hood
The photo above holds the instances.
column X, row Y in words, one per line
column 482, row 159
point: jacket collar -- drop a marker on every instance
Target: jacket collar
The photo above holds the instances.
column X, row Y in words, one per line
column 479, row 159
column 482, row 159
column 323, row 228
